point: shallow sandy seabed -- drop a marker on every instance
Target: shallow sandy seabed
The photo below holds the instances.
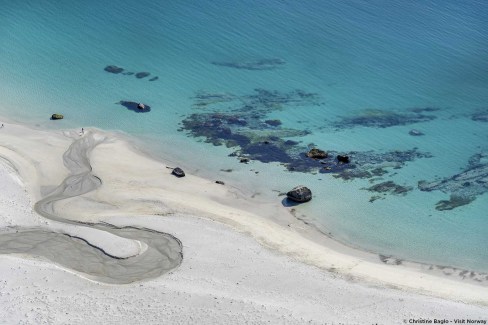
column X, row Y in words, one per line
column 226, row 275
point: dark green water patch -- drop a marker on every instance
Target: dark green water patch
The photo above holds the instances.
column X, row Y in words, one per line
column 376, row 118
column 260, row 64
column 463, row 187
column 387, row 187
column 242, row 123
column 481, row 116
column 119, row 70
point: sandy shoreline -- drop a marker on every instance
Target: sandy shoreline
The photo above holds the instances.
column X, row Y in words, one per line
column 129, row 189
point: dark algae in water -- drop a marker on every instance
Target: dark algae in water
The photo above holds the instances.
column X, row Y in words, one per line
column 376, row 118
column 463, row 187
column 243, row 124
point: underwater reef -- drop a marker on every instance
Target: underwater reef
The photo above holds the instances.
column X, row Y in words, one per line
column 463, row 187
column 376, row 118
column 387, row 187
column 261, row 64
column 480, row 116
column 242, row 123
column 119, row 70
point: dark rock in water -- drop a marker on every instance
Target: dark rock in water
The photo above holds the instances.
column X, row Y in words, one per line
column 135, row 107
column 128, row 73
column 262, row 64
column 220, row 182
column 480, row 116
column 273, row 122
column 113, row 69
column 57, row 117
column 343, row 159
column 300, row 194
column 316, row 154
column 244, row 160
column 415, row 132
column 178, row 172
column 154, row 78
column 141, row 75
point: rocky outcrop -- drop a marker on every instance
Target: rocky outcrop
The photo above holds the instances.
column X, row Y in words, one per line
column 316, row 154
column 178, row 172
column 219, row 182
column 141, row 106
column 300, row 194
column 343, row 159
column 57, row 117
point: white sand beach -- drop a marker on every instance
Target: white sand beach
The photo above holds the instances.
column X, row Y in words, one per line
column 242, row 262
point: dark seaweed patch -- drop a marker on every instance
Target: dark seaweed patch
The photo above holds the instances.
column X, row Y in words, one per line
column 376, row 118
column 480, row 116
column 132, row 106
column 463, row 187
column 389, row 187
column 245, row 128
column 141, row 75
column 118, row 70
column 113, row 69
column 261, row 64
column 424, row 109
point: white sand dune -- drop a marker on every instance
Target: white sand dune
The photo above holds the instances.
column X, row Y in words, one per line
column 249, row 270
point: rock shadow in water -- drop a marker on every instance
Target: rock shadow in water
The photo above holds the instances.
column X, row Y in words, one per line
column 132, row 106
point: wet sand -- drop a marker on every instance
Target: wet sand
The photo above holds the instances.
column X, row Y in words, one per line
column 163, row 252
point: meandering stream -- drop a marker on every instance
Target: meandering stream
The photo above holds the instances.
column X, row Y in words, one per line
column 163, row 253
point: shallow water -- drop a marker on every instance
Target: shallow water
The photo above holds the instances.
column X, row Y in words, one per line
column 368, row 66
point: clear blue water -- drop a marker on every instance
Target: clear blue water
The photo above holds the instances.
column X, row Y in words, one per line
column 355, row 55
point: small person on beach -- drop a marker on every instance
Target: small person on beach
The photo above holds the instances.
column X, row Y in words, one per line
column 2, row 125
column 82, row 131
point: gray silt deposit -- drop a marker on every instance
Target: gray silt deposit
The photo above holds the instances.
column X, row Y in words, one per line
column 163, row 253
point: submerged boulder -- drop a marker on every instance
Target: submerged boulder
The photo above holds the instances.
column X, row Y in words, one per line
column 316, row 154
column 343, row 159
column 415, row 133
column 57, row 117
column 178, row 172
column 300, row 194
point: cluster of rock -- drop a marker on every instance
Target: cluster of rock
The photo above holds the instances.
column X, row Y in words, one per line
column 118, row 70
column 57, row 116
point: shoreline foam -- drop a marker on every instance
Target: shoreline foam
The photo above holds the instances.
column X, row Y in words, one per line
column 130, row 189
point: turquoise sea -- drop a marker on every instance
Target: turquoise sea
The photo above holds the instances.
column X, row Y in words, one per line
column 355, row 78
